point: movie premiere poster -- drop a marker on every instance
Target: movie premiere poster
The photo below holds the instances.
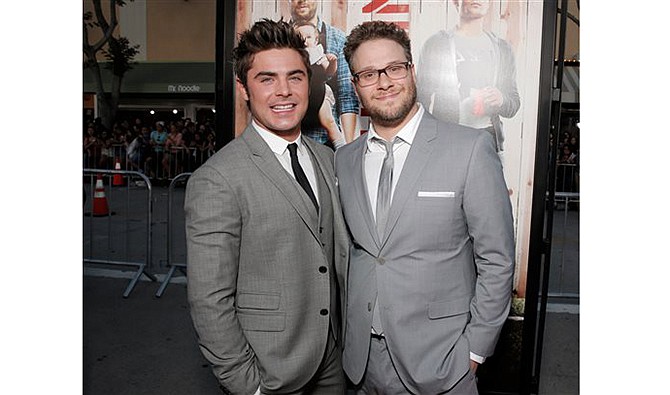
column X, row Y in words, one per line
column 478, row 65
column 457, row 74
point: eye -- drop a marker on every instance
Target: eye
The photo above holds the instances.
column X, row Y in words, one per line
column 367, row 75
column 395, row 68
column 267, row 80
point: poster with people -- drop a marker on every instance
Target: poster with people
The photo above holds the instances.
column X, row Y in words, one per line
column 477, row 63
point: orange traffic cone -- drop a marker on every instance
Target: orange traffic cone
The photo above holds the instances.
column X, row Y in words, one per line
column 117, row 180
column 100, row 207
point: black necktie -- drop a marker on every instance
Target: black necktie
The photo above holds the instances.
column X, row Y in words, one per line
column 300, row 174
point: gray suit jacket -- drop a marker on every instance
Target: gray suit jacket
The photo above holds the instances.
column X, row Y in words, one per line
column 254, row 251
column 443, row 271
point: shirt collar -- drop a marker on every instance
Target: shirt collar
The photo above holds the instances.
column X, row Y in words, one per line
column 277, row 144
column 406, row 134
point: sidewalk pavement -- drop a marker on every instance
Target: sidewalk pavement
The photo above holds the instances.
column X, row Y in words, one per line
column 143, row 345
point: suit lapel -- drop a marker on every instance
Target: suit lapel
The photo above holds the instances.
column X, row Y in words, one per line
column 267, row 163
column 361, row 195
column 416, row 160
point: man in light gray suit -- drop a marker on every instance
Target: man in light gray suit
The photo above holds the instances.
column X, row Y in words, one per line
column 266, row 241
column 431, row 264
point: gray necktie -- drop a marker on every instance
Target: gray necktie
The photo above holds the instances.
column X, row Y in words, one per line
column 382, row 213
column 384, row 188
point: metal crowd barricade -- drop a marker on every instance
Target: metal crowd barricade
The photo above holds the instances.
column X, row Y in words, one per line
column 564, row 283
column 174, row 266
column 565, row 198
column 178, row 160
column 115, row 229
column 567, row 177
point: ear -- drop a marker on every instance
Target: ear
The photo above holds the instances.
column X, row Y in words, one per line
column 241, row 88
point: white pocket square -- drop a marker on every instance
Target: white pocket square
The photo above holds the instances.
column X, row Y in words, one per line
column 436, row 194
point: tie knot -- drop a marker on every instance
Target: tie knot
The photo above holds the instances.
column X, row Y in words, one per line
column 292, row 148
column 388, row 145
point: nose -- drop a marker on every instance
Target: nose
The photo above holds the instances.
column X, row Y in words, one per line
column 283, row 87
column 384, row 80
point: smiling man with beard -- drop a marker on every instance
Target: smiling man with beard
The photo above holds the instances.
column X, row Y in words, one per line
column 266, row 242
column 432, row 256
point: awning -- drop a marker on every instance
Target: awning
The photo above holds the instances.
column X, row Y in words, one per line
column 570, row 86
column 160, row 77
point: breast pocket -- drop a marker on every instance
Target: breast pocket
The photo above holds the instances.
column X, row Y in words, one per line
column 436, row 210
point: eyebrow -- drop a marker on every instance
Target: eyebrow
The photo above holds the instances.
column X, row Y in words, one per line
column 372, row 68
column 274, row 73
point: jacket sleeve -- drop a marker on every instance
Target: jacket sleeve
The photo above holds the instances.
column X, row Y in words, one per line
column 489, row 218
column 427, row 72
column 213, row 231
column 507, row 81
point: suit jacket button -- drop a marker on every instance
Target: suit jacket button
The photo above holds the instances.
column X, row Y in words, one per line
column 369, row 306
column 381, row 260
column 324, row 312
column 322, row 269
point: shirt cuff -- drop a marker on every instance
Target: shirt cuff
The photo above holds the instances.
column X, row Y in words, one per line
column 479, row 359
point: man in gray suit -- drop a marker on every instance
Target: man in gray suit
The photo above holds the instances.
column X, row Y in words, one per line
column 266, row 241
column 431, row 263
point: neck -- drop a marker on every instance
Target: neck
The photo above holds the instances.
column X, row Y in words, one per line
column 470, row 27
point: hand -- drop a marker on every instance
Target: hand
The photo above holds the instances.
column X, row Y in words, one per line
column 473, row 366
column 493, row 98
column 332, row 64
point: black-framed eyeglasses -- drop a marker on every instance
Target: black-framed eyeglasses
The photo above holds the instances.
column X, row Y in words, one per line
column 395, row 71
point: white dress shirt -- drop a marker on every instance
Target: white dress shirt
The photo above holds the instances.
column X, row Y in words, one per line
column 279, row 146
column 375, row 153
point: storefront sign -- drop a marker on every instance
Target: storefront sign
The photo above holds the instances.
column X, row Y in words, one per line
column 183, row 88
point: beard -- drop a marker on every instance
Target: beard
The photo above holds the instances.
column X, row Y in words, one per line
column 303, row 18
column 388, row 117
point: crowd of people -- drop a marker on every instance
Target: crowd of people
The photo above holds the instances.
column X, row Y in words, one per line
column 569, row 148
column 567, row 160
column 160, row 150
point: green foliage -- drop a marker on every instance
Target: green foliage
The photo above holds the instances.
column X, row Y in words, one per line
column 120, row 54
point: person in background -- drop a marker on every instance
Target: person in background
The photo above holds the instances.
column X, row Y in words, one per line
column 468, row 75
column 91, row 147
column 430, row 221
column 332, row 39
column 323, row 67
column 173, row 155
column 266, row 242
column 157, row 141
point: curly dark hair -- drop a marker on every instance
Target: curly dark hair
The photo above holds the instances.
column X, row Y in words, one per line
column 374, row 30
column 266, row 34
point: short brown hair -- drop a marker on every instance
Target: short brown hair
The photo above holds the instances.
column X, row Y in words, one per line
column 266, row 34
column 374, row 30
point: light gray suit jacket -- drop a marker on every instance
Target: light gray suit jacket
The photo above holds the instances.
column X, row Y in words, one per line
column 257, row 295
column 443, row 271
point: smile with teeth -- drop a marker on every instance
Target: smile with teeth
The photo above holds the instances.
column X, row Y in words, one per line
column 282, row 107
